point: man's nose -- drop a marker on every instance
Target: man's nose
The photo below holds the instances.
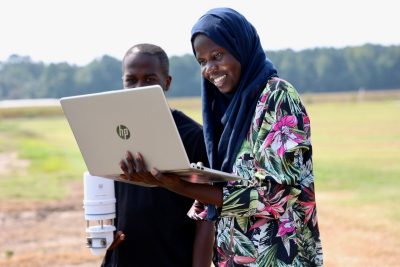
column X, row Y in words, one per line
column 141, row 83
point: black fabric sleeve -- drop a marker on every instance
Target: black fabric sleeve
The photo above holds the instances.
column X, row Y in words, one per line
column 192, row 136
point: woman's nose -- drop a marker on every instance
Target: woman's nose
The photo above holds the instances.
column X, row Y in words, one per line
column 210, row 67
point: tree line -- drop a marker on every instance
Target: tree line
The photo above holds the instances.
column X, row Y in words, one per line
column 370, row 67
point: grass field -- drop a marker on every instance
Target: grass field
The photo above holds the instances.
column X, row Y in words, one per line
column 356, row 162
column 52, row 157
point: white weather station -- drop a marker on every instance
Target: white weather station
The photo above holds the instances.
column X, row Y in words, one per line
column 99, row 205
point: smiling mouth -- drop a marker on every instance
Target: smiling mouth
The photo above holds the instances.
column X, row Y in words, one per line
column 219, row 81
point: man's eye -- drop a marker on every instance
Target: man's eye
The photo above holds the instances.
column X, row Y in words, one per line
column 129, row 82
column 150, row 80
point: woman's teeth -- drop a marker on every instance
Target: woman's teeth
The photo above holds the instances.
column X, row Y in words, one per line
column 219, row 80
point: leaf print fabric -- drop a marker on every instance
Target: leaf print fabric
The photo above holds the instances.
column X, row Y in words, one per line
column 269, row 218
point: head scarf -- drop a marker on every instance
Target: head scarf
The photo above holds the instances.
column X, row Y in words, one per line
column 227, row 118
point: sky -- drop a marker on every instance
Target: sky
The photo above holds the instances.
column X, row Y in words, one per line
column 79, row 31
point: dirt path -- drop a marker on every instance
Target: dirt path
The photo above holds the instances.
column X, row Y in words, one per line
column 52, row 234
column 45, row 234
column 356, row 237
column 10, row 161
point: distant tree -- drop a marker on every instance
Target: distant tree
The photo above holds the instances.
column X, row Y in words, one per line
column 57, row 80
column 185, row 73
column 100, row 75
column 19, row 77
column 311, row 70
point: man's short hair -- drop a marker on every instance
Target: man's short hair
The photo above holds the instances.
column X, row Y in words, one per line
column 151, row 50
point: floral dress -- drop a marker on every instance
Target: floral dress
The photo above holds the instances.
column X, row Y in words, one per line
column 269, row 217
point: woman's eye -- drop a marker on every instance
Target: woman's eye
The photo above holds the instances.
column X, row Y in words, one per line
column 218, row 55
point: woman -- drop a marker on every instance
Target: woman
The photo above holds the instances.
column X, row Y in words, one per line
column 256, row 126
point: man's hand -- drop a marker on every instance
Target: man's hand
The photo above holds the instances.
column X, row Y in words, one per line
column 118, row 239
column 134, row 170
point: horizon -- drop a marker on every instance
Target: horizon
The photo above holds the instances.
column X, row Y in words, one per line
column 278, row 50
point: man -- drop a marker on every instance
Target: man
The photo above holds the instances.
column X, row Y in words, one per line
column 152, row 223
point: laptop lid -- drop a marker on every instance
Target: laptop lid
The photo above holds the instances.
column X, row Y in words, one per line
column 107, row 124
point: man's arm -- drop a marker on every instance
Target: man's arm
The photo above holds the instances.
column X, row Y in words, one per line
column 203, row 244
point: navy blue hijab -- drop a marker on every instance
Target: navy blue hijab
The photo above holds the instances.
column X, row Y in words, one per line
column 227, row 118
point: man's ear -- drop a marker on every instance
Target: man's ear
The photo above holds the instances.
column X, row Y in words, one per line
column 168, row 81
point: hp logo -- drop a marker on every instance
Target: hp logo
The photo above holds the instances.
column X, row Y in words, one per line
column 123, row 132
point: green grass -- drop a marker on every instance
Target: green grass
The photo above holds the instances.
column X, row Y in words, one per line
column 356, row 153
column 54, row 159
column 30, row 112
column 190, row 105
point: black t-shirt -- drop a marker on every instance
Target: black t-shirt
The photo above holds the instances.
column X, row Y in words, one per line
column 158, row 231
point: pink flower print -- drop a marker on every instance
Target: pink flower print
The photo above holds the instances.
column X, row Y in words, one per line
column 285, row 226
column 309, row 206
column 273, row 207
column 228, row 258
column 243, row 259
column 264, row 97
column 260, row 108
column 306, row 122
column 282, row 137
column 233, row 182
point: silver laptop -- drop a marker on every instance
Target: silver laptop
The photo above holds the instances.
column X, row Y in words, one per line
column 108, row 124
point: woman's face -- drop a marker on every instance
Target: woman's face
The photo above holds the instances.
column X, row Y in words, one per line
column 218, row 66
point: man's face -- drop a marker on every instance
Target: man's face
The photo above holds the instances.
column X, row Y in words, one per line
column 144, row 70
